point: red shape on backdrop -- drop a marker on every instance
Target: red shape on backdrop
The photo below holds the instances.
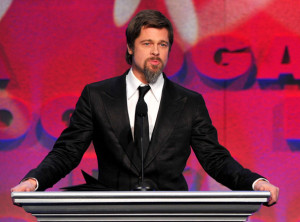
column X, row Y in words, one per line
column 18, row 121
column 5, row 68
column 222, row 57
column 283, row 58
column 292, row 118
column 175, row 62
column 54, row 114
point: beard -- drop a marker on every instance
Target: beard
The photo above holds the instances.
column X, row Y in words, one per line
column 152, row 72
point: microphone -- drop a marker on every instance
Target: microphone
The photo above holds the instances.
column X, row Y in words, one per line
column 142, row 112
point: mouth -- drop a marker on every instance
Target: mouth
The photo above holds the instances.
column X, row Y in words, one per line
column 155, row 61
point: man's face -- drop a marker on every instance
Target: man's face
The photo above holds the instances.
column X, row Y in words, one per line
column 150, row 54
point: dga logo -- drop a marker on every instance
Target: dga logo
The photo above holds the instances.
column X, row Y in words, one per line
column 228, row 58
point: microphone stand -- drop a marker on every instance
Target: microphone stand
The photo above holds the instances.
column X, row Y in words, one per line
column 142, row 153
column 142, row 186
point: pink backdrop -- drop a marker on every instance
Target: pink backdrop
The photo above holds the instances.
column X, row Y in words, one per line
column 243, row 56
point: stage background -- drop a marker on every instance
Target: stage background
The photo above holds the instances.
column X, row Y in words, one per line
column 242, row 56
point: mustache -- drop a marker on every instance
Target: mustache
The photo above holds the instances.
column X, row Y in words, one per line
column 155, row 58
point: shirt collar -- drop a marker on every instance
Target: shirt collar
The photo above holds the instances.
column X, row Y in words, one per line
column 132, row 84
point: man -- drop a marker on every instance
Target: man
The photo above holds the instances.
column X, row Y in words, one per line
column 108, row 113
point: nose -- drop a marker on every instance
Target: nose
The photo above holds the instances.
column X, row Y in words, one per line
column 155, row 50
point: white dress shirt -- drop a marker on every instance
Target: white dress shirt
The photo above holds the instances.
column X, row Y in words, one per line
column 152, row 98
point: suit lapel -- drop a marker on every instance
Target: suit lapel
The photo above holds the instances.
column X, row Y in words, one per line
column 171, row 106
column 116, row 107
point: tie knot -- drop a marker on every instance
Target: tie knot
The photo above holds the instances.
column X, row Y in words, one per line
column 143, row 90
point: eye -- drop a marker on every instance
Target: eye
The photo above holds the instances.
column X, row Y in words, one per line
column 164, row 45
column 146, row 43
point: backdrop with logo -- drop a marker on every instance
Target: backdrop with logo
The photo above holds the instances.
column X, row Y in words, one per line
column 242, row 56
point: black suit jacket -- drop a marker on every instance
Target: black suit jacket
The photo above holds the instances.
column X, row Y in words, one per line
column 101, row 116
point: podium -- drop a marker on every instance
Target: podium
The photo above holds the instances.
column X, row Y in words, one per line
column 141, row 206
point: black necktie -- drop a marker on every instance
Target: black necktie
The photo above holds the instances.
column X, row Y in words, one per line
column 141, row 119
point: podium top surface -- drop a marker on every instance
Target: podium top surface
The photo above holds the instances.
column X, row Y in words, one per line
column 140, row 196
column 141, row 206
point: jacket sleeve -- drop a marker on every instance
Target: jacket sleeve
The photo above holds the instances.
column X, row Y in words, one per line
column 214, row 158
column 69, row 147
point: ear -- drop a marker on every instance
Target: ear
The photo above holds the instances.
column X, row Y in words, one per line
column 130, row 51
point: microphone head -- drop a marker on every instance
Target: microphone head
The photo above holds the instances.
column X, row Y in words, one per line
column 142, row 109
